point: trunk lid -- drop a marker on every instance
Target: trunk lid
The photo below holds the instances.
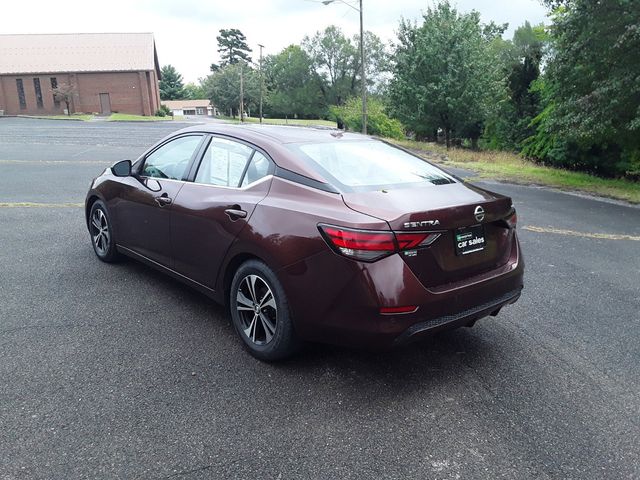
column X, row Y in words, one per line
column 446, row 209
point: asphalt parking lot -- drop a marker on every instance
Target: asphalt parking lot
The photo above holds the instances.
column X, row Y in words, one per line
column 116, row 371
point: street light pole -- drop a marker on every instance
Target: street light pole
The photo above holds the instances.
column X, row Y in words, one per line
column 261, row 81
column 363, row 75
column 362, row 65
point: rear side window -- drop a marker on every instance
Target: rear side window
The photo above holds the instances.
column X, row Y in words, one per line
column 257, row 169
column 223, row 163
column 369, row 164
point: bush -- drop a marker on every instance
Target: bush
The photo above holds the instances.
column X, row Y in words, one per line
column 378, row 122
column 163, row 111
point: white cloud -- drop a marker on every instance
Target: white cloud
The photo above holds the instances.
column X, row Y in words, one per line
column 185, row 30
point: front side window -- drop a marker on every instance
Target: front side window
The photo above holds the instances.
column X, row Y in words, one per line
column 172, row 159
column 369, row 164
column 223, row 163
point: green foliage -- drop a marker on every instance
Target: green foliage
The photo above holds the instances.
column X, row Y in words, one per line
column 293, row 85
column 163, row 111
column 510, row 122
column 593, row 79
column 444, row 78
column 170, row 84
column 223, row 88
column 336, row 59
column 378, row 122
column 232, row 47
column 192, row 91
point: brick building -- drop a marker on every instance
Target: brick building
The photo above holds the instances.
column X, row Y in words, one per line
column 107, row 72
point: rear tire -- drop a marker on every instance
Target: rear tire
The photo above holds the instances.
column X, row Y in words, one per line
column 260, row 312
column 101, row 230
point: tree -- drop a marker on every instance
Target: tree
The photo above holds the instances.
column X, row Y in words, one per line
column 520, row 59
column 232, row 47
column 64, row 93
column 171, row 83
column 293, row 85
column 592, row 79
column 378, row 122
column 223, row 88
column 444, row 79
column 192, row 91
column 336, row 59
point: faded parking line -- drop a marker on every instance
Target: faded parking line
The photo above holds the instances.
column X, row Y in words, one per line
column 40, row 205
column 93, row 162
column 573, row 233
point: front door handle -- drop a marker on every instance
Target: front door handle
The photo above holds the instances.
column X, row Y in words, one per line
column 235, row 213
column 163, row 200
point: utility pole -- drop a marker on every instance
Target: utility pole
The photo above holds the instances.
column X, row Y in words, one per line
column 261, row 81
column 241, row 95
column 362, row 65
column 364, row 79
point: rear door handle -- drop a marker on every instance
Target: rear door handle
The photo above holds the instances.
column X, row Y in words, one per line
column 163, row 200
column 235, row 213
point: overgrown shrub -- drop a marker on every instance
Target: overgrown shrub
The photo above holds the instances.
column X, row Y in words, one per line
column 163, row 111
column 378, row 122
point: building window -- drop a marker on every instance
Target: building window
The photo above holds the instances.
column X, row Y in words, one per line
column 36, row 87
column 54, row 85
column 201, row 111
column 23, row 101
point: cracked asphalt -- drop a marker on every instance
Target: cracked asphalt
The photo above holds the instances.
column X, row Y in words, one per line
column 116, row 371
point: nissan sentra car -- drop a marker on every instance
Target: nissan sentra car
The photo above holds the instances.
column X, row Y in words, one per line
column 310, row 234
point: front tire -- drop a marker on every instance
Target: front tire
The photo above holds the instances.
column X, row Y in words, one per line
column 260, row 312
column 101, row 230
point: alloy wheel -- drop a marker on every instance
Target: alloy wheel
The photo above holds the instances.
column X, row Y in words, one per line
column 257, row 309
column 100, row 232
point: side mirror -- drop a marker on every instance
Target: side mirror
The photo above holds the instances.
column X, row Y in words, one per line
column 121, row 168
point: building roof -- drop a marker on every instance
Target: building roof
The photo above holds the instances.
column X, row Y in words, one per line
column 78, row 52
column 180, row 104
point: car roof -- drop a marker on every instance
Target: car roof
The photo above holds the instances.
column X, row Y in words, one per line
column 273, row 139
column 277, row 133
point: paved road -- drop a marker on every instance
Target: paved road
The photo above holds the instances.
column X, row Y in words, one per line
column 117, row 371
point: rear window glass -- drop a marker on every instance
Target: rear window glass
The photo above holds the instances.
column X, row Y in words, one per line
column 369, row 164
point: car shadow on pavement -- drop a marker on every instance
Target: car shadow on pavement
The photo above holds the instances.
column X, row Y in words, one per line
column 442, row 358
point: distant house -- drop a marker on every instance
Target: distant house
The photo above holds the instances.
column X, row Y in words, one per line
column 107, row 72
column 190, row 107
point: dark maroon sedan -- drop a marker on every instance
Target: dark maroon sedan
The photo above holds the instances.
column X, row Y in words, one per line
column 311, row 234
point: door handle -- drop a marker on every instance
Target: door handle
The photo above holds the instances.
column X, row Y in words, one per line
column 163, row 200
column 235, row 213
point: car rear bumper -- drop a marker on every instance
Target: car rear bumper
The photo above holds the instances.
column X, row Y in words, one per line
column 346, row 310
column 461, row 319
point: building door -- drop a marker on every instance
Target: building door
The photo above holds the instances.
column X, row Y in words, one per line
column 105, row 104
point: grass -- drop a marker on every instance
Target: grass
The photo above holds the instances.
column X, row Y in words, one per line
column 282, row 121
column 85, row 117
column 507, row 166
column 125, row 117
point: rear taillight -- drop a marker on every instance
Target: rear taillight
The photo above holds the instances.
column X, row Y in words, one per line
column 407, row 241
column 512, row 220
column 372, row 245
column 363, row 245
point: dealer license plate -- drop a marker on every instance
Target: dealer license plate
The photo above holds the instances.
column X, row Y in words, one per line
column 469, row 240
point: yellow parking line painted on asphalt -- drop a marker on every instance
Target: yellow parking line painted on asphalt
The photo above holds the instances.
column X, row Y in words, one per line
column 573, row 233
column 40, row 205
column 51, row 162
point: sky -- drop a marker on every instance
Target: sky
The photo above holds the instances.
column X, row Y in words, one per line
column 185, row 30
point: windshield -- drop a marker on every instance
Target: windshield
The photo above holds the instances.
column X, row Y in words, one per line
column 369, row 164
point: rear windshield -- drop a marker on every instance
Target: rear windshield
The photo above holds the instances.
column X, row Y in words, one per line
column 369, row 164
